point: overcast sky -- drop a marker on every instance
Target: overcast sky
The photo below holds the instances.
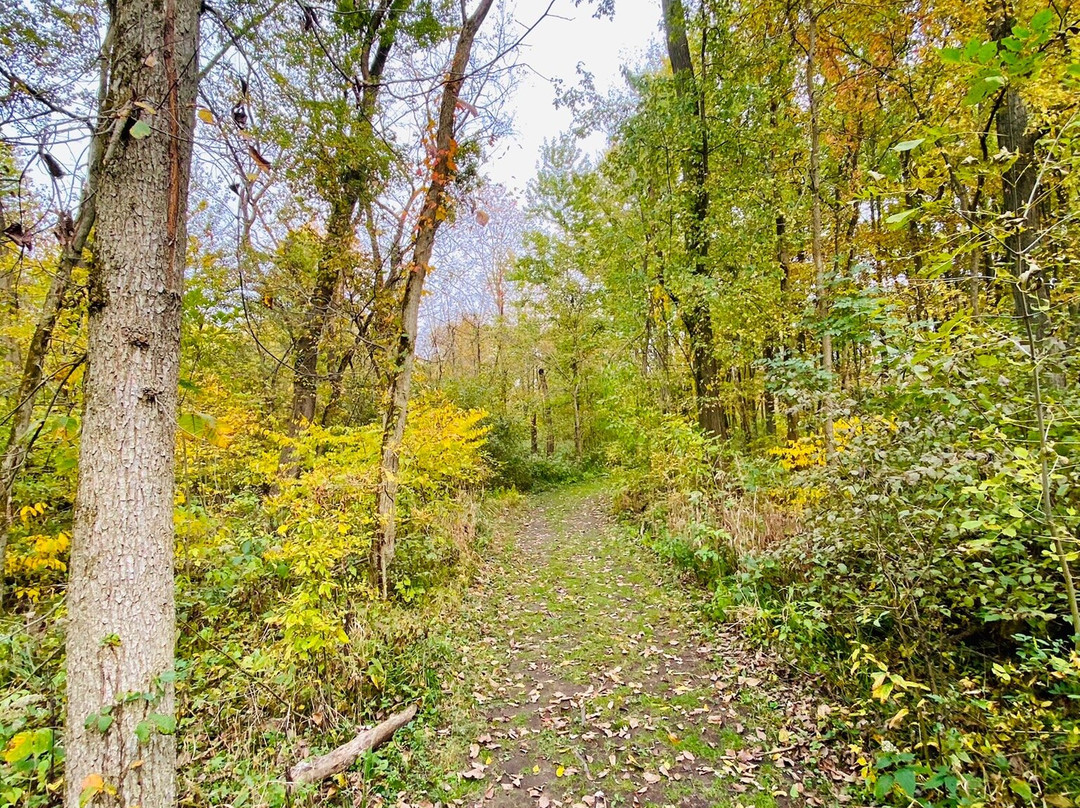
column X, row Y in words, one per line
column 570, row 36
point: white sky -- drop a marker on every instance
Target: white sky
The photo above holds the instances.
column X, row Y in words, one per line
column 553, row 51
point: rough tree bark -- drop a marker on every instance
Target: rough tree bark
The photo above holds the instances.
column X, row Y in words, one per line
column 333, row 258
column 403, row 351
column 1019, row 190
column 696, row 316
column 122, row 622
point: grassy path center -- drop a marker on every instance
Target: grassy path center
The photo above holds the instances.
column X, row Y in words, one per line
column 592, row 679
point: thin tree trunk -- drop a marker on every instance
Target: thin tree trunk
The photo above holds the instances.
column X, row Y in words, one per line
column 336, row 247
column 815, row 229
column 431, row 216
column 20, row 439
column 333, row 256
column 575, row 394
column 792, row 416
column 1030, row 293
column 549, row 422
column 769, row 402
column 697, row 317
column 337, row 384
column 121, row 626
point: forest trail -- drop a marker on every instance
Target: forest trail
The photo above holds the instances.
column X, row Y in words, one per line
column 592, row 680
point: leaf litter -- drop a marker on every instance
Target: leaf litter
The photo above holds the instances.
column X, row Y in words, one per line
column 598, row 682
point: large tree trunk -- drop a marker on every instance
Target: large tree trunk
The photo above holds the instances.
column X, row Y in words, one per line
column 403, row 351
column 697, row 317
column 121, row 613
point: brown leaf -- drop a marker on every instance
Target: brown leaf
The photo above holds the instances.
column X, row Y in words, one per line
column 20, row 237
column 55, row 169
column 260, row 161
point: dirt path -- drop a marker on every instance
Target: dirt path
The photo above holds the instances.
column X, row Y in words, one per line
column 594, row 680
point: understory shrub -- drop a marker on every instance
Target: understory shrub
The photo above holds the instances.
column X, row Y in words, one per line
column 915, row 571
column 283, row 641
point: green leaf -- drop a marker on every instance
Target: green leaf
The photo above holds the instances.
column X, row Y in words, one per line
column 908, row 145
column 99, row 721
column 1039, row 23
column 905, row 778
column 898, row 219
column 165, row 724
column 1020, row 787
column 982, row 88
column 140, row 129
column 987, row 52
column 142, row 731
column 883, row 786
column 950, row 56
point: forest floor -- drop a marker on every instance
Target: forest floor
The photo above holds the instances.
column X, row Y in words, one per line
column 589, row 676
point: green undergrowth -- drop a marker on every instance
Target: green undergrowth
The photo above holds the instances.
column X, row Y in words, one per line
column 284, row 647
column 912, row 575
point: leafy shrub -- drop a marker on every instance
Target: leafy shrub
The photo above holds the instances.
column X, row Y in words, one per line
column 914, row 571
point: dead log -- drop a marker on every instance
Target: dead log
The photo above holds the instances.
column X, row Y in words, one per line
column 315, row 769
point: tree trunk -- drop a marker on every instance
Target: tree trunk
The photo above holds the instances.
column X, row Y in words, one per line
column 697, row 317
column 1030, row 293
column 815, row 230
column 337, row 384
column 549, row 422
column 121, row 614
column 333, row 255
column 1019, row 190
column 769, row 400
column 575, row 394
column 432, row 214
column 336, row 247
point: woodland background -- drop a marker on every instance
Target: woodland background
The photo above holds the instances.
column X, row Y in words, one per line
column 813, row 313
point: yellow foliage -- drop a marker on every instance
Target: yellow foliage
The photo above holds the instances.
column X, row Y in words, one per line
column 38, row 561
column 809, row 451
column 326, row 515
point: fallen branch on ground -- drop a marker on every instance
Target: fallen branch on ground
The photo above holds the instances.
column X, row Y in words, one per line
column 315, row 769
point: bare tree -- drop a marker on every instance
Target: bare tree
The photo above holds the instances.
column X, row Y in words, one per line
column 442, row 174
